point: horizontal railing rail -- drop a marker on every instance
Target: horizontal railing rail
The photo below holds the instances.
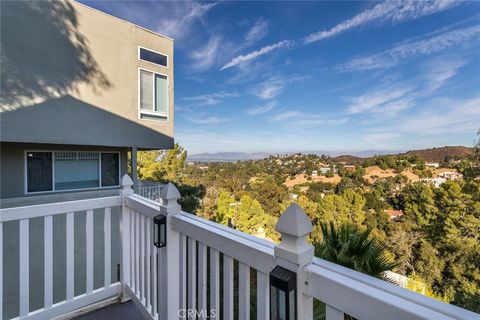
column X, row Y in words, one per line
column 345, row 291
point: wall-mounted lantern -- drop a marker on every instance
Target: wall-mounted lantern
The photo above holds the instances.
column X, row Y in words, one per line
column 160, row 231
column 283, row 287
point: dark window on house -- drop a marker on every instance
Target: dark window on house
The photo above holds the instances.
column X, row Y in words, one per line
column 153, row 57
column 110, row 169
column 39, row 171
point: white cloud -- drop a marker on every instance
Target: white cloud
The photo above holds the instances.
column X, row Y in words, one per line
column 445, row 116
column 262, row 109
column 255, row 54
column 204, row 57
column 438, row 71
column 388, row 58
column 211, row 99
column 207, row 120
column 381, row 137
column 258, row 31
column 274, row 86
column 389, row 11
column 269, row 89
column 375, row 99
column 181, row 17
column 286, row 115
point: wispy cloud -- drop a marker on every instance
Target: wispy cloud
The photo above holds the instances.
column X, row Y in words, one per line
column 272, row 87
column 286, row 115
column 207, row 120
column 211, row 99
column 255, row 54
column 181, row 17
column 453, row 39
column 439, row 70
column 381, row 137
column 378, row 98
column 302, row 119
column 204, row 57
column 262, row 109
column 445, row 116
column 257, row 32
column 389, row 11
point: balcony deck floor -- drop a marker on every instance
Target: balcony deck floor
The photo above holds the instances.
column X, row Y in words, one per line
column 118, row 311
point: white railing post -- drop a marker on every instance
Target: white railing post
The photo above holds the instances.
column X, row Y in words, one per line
column 294, row 253
column 125, row 192
column 170, row 254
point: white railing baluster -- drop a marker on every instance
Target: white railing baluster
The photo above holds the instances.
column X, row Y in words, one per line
column 137, row 253
column 131, row 240
column 89, row 250
column 227, row 287
column 142, row 258
column 333, row 314
column 154, row 262
column 24, row 268
column 243, row 291
column 202, row 280
column 107, row 233
column 183, row 272
column 148, row 241
column 48, row 261
column 215, row 281
column 70, row 254
column 192, row 274
column 263, row 296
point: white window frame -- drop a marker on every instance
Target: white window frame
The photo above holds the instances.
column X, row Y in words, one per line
column 155, row 64
column 53, row 171
column 141, row 111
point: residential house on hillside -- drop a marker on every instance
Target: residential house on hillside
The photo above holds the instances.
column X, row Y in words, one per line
column 394, row 214
column 432, row 164
column 451, row 175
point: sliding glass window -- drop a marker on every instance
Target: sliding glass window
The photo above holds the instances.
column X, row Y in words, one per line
column 71, row 170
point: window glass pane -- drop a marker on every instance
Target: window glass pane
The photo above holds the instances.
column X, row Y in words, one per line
column 76, row 170
column 161, row 104
column 153, row 57
column 146, row 88
column 39, row 171
column 110, row 174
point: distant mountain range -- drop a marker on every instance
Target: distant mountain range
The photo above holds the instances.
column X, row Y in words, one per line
column 431, row 154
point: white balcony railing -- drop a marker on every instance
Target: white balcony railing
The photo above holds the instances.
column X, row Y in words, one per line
column 186, row 274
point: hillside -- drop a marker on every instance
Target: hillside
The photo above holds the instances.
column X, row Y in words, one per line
column 439, row 154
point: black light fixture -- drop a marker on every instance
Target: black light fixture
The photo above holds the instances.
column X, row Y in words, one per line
column 283, row 292
column 160, row 231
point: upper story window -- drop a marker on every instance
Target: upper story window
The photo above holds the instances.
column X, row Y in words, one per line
column 153, row 102
column 152, row 56
column 71, row 170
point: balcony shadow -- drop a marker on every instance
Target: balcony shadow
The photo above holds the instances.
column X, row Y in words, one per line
column 67, row 120
column 43, row 54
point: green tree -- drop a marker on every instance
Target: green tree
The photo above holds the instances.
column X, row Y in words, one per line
column 251, row 216
column 225, row 208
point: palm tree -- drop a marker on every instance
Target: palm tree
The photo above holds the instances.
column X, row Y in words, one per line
column 350, row 247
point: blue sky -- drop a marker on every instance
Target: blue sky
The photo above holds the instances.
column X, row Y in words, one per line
column 305, row 76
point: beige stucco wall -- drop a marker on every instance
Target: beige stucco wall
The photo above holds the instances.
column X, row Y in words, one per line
column 100, row 105
column 114, row 44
